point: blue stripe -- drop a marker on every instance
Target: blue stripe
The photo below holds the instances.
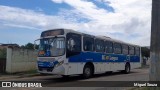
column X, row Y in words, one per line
column 47, row 63
column 101, row 57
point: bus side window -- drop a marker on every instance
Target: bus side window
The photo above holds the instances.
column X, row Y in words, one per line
column 73, row 44
column 117, row 48
column 99, row 45
column 108, row 47
column 137, row 51
column 125, row 49
column 131, row 50
column 88, row 43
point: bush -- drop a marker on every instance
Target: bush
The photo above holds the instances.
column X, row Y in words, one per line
column 3, row 53
column 145, row 52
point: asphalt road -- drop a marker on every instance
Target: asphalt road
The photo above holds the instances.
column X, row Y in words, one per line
column 57, row 82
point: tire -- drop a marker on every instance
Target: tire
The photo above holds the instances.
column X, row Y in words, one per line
column 127, row 69
column 87, row 71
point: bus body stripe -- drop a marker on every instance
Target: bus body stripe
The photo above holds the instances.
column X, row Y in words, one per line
column 101, row 57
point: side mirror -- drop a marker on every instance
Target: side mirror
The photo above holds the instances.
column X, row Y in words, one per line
column 35, row 44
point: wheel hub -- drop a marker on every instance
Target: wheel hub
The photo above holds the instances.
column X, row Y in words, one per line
column 87, row 71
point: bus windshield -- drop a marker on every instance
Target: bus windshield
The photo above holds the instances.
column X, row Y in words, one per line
column 52, row 46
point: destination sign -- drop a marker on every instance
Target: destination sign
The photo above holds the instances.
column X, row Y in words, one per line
column 52, row 32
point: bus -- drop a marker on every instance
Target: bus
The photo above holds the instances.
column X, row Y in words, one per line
column 67, row 52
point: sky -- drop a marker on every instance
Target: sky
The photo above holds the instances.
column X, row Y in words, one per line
column 22, row 21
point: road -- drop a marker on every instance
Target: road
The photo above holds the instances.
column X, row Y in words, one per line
column 56, row 81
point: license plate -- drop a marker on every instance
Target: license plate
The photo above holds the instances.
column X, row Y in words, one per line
column 44, row 70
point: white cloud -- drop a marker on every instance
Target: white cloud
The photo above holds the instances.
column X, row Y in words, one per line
column 58, row 1
column 129, row 17
column 24, row 18
column 20, row 26
column 130, row 21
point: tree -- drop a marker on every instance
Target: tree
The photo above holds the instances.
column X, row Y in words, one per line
column 30, row 46
column 23, row 47
column 145, row 52
column 3, row 53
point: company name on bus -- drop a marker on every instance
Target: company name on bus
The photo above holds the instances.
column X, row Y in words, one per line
column 104, row 57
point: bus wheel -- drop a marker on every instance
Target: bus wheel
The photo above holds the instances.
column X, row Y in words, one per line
column 87, row 71
column 127, row 69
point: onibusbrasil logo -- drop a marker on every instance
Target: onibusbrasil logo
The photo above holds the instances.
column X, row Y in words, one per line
column 21, row 84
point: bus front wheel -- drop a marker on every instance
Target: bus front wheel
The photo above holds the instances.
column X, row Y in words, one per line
column 87, row 71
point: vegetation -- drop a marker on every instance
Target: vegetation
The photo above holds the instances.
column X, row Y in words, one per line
column 145, row 52
column 3, row 53
column 29, row 46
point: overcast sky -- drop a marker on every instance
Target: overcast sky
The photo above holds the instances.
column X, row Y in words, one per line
column 22, row 21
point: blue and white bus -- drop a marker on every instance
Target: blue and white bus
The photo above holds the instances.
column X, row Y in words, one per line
column 67, row 52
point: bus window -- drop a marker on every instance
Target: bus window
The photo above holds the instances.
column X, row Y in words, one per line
column 73, row 44
column 108, row 47
column 57, row 46
column 137, row 51
column 131, row 50
column 88, row 43
column 117, row 48
column 99, row 45
column 125, row 49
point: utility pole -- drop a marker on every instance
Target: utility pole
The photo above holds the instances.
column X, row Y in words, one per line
column 154, row 74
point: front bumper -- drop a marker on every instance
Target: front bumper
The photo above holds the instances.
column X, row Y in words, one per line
column 60, row 70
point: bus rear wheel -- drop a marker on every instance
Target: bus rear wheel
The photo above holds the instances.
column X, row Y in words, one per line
column 87, row 71
column 127, row 69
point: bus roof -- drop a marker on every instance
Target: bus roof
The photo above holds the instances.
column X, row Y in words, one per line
column 99, row 37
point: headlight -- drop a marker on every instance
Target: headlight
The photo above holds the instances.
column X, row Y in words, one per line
column 59, row 63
